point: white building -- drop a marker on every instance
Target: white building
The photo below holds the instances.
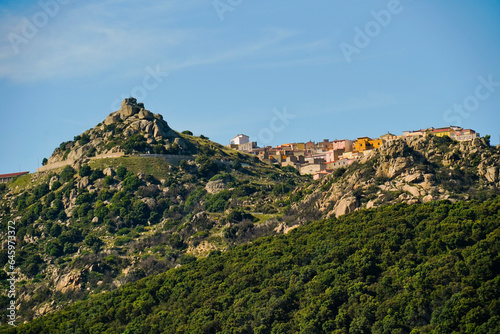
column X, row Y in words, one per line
column 240, row 139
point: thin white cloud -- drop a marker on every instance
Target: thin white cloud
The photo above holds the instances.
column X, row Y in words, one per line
column 83, row 41
column 92, row 38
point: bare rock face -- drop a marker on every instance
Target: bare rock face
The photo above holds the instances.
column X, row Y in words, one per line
column 129, row 108
column 492, row 174
column 427, row 198
column 412, row 190
column 113, row 118
column 345, row 205
column 428, row 181
column 488, row 168
column 72, row 196
column 83, row 183
column 150, row 202
column 284, row 229
column 52, row 180
column 414, row 178
column 69, row 282
column 397, row 166
column 45, row 308
column 145, row 114
column 450, row 158
column 108, row 172
column 214, row 187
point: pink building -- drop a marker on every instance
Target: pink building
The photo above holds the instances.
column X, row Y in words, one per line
column 464, row 135
column 333, row 155
column 344, row 144
column 339, row 147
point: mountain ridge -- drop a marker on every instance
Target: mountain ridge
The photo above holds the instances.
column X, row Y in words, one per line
column 98, row 221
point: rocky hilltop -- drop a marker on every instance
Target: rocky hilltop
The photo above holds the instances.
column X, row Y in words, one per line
column 411, row 170
column 104, row 212
column 131, row 129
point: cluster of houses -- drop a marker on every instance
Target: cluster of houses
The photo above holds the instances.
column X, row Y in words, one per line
column 322, row 158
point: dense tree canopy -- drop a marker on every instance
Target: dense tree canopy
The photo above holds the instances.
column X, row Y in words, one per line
column 428, row 268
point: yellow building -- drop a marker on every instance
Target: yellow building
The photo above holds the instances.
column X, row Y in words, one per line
column 366, row 143
column 443, row 132
column 299, row 146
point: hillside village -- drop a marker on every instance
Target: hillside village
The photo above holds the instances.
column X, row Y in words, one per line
column 322, row 158
column 310, row 158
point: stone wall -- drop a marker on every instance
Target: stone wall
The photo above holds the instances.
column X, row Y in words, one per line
column 170, row 158
column 55, row 165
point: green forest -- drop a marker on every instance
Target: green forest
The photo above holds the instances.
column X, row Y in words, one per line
column 423, row 268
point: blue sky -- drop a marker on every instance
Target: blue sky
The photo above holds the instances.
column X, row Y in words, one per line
column 279, row 71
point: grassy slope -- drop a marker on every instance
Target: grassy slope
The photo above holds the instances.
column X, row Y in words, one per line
column 150, row 166
column 429, row 268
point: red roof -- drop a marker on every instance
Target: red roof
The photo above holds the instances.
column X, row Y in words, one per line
column 10, row 175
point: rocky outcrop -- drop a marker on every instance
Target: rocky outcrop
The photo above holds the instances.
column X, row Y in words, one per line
column 411, row 170
column 140, row 120
column 69, row 282
column 113, row 135
column 284, row 228
column 83, row 182
column 490, row 173
column 108, row 172
column 150, row 202
column 414, row 178
column 345, row 205
column 53, row 179
column 214, row 187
